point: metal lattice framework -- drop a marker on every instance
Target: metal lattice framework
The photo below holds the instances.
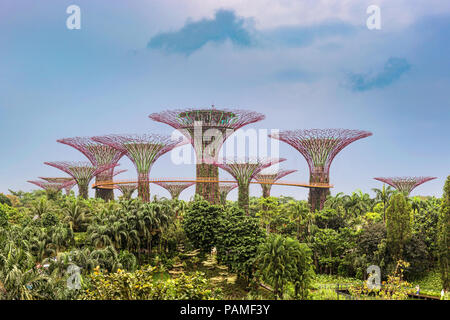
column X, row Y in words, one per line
column 319, row 147
column 82, row 172
column 143, row 150
column 267, row 179
column 224, row 190
column 68, row 182
column 127, row 189
column 405, row 184
column 207, row 130
column 51, row 188
column 175, row 188
column 244, row 170
column 99, row 155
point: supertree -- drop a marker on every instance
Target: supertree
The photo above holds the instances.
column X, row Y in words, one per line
column 207, row 130
column 405, row 184
column 51, row 188
column 82, row 172
column 266, row 179
column 69, row 182
column 174, row 188
column 127, row 189
column 244, row 170
column 224, row 190
column 319, row 147
column 143, row 151
column 99, row 155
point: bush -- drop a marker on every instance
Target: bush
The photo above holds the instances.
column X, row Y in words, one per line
column 237, row 239
column 200, row 223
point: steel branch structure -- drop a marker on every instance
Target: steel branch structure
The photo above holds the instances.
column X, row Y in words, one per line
column 267, row 180
column 244, row 171
column 68, row 182
column 405, row 184
column 174, row 188
column 99, row 155
column 319, row 147
column 224, row 190
column 207, row 130
column 51, row 188
column 143, row 151
column 127, row 189
column 82, row 172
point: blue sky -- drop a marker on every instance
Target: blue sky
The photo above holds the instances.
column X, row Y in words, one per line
column 304, row 64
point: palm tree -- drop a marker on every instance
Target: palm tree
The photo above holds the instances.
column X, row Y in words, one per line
column 383, row 195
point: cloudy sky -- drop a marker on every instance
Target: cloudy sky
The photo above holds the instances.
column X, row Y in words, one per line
column 304, row 64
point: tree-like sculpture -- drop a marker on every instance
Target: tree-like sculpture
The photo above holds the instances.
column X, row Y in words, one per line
column 143, row 151
column 127, row 189
column 82, row 172
column 174, row 188
column 405, row 184
column 244, row 171
column 266, row 180
column 69, row 182
column 207, row 130
column 99, row 155
column 51, row 188
column 224, row 190
column 319, row 147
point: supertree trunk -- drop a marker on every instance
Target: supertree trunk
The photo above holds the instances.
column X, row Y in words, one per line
column 143, row 187
column 103, row 193
column 208, row 190
column 318, row 196
column 243, row 196
column 266, row 190
column 83, row 190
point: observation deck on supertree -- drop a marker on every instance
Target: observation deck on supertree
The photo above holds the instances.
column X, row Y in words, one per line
column 207, row 130
column 69, row 182
column 127, row 189
column 405, row 184
column 143, row 150
column 174, row 188
column 82, row 172
column 266, row 180
column 99, row 155
column 244, row 170
column 224, row 190
column 319, row 147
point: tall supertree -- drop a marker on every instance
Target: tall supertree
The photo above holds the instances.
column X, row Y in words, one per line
column 224, row 190
column 266, row 179
column 99, row 155
column 174, row 188
column 127, row 189
column 51, row 188
column 207, row 130
column 319, row 147
column 405, row 184
column 82, row 172
column 143, row 151
column 244, row 171
column 69, row 182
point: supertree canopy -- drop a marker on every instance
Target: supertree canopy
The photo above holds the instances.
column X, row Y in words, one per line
column 319, row 147
column 405, row 184
column 143, row 151
column 69, row 182
column 51, row 188
column 99, row 155
column 127, row 189
column 207, row 130
column 174, row 188
column 82, row 172
column 244, row 171
column 224, row 190
column 266, row 179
